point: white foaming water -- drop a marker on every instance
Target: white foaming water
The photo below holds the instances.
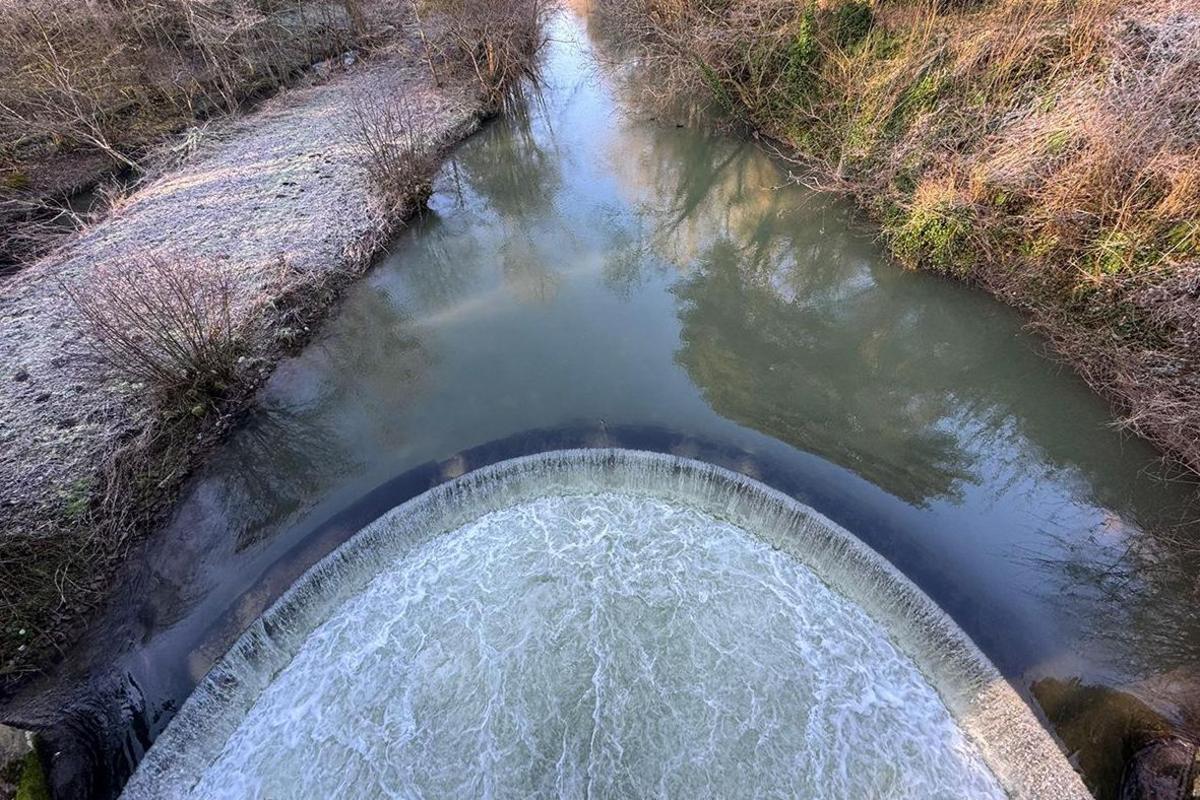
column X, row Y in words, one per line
column 604, row 623
column 599, row 646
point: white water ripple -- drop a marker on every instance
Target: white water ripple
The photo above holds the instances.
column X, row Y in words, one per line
column 604, row 646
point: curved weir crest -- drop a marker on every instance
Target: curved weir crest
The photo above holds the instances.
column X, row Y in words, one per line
column 599, row 623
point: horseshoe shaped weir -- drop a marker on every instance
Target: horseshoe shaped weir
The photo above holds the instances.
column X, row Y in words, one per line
column 604, row 623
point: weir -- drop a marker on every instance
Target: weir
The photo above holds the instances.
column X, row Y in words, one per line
column 605, row 623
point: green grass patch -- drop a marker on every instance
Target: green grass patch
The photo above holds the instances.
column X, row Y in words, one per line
column 1112, row 252
column 921, row 96
column 935, row 236
column 1057, row 142
column 76, row 499
column 1183, row 239
column 1115, row 252
column 14, row 181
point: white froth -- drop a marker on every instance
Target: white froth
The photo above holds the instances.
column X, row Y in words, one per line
column 606, row 646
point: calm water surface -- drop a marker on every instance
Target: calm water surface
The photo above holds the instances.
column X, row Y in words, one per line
column 587, row 276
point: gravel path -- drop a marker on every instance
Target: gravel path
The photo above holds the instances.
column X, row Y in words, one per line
column 283, row 181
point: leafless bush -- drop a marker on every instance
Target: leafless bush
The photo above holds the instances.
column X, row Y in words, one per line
column 395, row 145
column 247, row 45
column 41, row 225
column 64, row 77
column 500, row 40
column 163, row 323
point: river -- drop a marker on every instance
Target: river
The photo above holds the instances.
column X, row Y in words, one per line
column 588, row 275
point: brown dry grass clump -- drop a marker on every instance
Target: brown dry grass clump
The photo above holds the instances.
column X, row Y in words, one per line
column 1048, row 150
column 163, row 324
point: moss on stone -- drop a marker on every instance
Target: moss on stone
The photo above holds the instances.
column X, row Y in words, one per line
column 32, row 784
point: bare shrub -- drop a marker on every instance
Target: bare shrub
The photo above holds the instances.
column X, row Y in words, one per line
column 40, row 226
column 499, row 40
column 395, row 146
column 246, row 46
column 65, row 79
column 164, row 323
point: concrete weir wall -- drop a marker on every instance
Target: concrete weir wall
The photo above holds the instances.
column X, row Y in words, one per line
column 1022, row 755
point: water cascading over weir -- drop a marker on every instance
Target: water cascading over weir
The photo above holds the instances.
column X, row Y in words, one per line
column 604, row 623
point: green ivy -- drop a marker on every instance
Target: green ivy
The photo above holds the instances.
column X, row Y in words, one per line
column 851, row 23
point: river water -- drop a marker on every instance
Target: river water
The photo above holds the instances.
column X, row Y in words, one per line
column 590, row 276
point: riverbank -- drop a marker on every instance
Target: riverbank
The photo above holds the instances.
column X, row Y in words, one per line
column 1048, row 152
column 281, row 205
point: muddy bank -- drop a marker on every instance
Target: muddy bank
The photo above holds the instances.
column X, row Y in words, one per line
column 281, row 202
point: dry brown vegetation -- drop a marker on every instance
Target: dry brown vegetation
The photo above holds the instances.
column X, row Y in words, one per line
column 497, row 43
column 90, row 84
column 172, row 333
column 1046, row 149
column 164, row 325
column 393, row 143
column 102, row 73
column 499, row 40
